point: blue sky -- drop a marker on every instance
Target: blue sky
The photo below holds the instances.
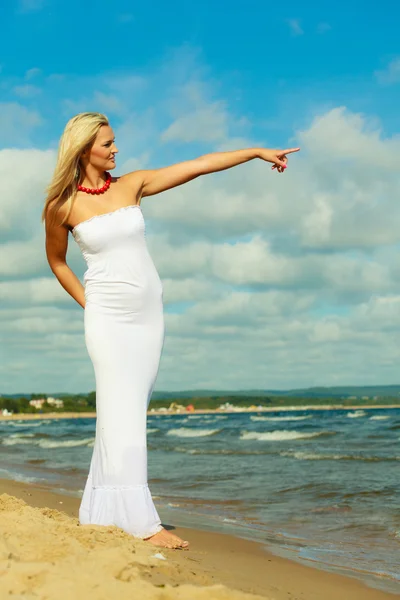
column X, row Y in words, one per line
column 269, row 282
column 270, row 64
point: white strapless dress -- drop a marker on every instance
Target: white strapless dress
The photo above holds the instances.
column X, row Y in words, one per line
column 124, row 334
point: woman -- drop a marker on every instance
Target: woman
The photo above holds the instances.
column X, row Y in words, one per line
column 123, row 301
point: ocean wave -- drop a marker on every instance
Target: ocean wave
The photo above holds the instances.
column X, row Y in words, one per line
column 209, row 418
column 221, row 451
column 206, row 417
column 45, row 442
column 19, row 477
column 27, row 423
column 11, row 441
column 314, row 456
column 65, row 443
column 152, row 430
column 280, row 435
column 379, row 418
column 356, row 413
column 288, row 418
column 185, row 432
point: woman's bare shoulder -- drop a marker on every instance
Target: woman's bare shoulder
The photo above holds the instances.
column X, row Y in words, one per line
column 55, row 213
column 133, row 183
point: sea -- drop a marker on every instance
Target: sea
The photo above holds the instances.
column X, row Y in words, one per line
column 319, row 486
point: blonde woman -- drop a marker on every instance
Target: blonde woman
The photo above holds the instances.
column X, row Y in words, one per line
column 123, row 301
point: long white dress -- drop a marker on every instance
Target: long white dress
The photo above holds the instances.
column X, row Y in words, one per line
column 124, row 334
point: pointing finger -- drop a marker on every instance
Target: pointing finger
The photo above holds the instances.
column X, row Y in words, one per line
column 288, row 151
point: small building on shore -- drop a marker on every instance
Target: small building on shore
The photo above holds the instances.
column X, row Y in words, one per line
column 56, row 402
column 38, row 402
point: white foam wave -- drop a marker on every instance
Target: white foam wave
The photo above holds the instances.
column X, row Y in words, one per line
column 27, row 423
column 46, row 443
column 152, row 430
column 226, row 520
column 312, row 456
column 65, row 443
column 278, row 436
column 356, row 413
column 18, row 476
column 185, row 432
column 379, row 418
column 206, row 417
column 10, row 441
column 288, row 418
column 22, row 435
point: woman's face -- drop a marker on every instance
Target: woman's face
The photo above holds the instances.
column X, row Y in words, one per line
column 102, row 154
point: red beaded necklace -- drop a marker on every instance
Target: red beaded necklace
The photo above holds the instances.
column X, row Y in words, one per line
column 97, row 190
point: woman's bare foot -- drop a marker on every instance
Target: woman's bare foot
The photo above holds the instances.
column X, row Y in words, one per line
column 167, row 540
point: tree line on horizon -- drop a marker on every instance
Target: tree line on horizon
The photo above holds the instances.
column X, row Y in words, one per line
column 87, row 402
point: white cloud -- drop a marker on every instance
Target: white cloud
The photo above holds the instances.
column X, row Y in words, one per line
column 269, row 280
column 350, row 138
column 27, row 6
column 26, row 91
column 16, row 123
column 32, row 73
column 207, row 124
column 108, row 103
column 323, row 27
column 43, row 290
column 391, row 74
column 189, row 289
column 295, row 27
column 24, row 175
column 339, row 192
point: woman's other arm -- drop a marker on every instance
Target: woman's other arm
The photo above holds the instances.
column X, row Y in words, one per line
column 56, row 252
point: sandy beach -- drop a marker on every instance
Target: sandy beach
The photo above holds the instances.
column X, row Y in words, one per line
column 45, row 553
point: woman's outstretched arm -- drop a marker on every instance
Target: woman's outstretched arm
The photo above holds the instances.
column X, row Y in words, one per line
column 56, row 252
column 154, row 181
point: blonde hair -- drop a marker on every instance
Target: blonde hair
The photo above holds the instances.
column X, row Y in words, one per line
column 79, row 134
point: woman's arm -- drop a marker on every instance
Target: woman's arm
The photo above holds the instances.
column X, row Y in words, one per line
column 158, row 180
column 56, row 251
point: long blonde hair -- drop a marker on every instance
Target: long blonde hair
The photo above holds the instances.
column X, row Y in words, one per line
column 79, row 134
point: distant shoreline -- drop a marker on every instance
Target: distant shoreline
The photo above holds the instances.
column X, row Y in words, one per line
column 92, row 415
